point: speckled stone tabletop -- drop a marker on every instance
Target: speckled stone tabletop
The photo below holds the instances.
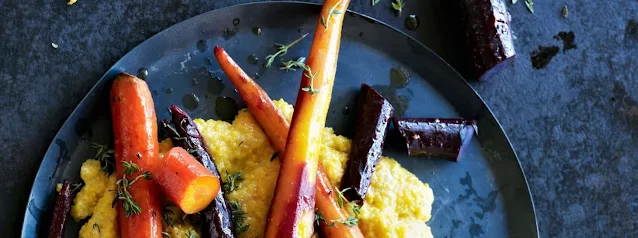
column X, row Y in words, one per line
column 573, row 123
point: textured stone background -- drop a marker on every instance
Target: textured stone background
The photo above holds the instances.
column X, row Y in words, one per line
column 574, row 123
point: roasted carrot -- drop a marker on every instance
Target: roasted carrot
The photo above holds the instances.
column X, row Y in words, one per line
column 292, row 210
column 185, row 181
column 135, row 134
column 216, row 219
column 61, row 211
column 276, row 127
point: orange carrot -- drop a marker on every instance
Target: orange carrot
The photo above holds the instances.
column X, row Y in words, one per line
column 259, row 103
column 185, row 181
column 135, row 134
column 276, row 127
column 292, row 210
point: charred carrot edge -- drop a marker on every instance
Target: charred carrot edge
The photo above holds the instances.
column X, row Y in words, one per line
column 135, row 134
column 292, row 210
column 61, row 211
column 276, row 127
column 185, row 181
column 216, row 219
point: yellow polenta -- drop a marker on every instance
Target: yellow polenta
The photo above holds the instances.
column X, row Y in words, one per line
column 103, row 222
column 397, row 204
column 95, row 182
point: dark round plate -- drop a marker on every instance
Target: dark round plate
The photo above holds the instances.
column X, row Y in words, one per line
column 485, row 194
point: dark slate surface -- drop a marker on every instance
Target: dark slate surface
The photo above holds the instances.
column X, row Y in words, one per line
column 574, row 123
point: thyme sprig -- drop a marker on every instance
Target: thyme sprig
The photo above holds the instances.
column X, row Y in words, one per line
column 128, row 203
column 333, row 11
column 398, row 5
column 232, row 181
column 310, row 89
column 103, row 154
column 238, row 217
column 282, row 50
column 292, row 65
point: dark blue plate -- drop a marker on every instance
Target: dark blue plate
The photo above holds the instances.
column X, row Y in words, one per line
column 485, row 194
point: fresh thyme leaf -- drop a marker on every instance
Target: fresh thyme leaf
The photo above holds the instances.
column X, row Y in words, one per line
column 130, row 167
column 191, row 234
column 103, row 155
column 164, row 233
column 282, row 50
column 351, row 221
column 232, row 181
column 565, row 11
column 398, row 6
column 530, row 5
column 319, row 217
column 96, row 226
column 190, row 151
column 274, row 156
column 76, row 186
column 375, row 2
column 340, row 198
column 238, row 217
column 310, row 76
column 356, row 209
column 333, row 11
column 168, row 213
column 130, row 206
column 290, row 65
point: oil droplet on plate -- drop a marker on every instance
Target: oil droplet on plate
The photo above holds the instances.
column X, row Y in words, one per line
column 190, row 101
column 201, row 45
column 168, row 90
column 411, row 22
column 215, row 85
column 257, row 30
column 252, row 59
column 346, row 110
column 208, row 61
column 236, row 21
column 226, row 108
column 142, row 73
column 399, row 77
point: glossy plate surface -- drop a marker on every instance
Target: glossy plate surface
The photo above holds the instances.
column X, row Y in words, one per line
column 484, row 195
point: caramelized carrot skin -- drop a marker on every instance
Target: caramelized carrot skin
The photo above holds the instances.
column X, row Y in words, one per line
column 326, row 201
column 135, row 134
column 178, row 171
column 259, row 103
column 292, row 210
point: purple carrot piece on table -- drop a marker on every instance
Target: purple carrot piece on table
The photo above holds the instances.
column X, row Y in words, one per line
column 61, row 211
column 436, row 137
column 488, row 35
column 373, row 114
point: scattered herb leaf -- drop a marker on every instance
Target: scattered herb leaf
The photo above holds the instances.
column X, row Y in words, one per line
column 103, row 155
column 375, row 2
column 565, row 11
column 333, row 11
column 54, row 45
column 530, row 5
column 168, row 216
column 398, row 5
column 282, row 50
column 232, row 181
column 130, row 167
column 164, row 233
column 76, row 186
column 310, row 76
column 291, row 65
column 238, row 217
column 191, row 234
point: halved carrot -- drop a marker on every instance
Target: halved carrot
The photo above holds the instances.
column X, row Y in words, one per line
column 185, row 181
column 135, row 134
column 276, row 127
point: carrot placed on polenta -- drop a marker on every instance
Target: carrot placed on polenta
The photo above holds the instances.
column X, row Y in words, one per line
column 257, row 100
column 292, row 212
column 185, row 181
column 276, row 127
column 136, row 153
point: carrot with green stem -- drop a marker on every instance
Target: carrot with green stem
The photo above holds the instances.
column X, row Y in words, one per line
column 330, row 214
